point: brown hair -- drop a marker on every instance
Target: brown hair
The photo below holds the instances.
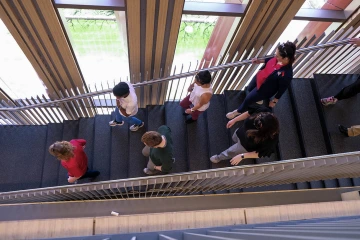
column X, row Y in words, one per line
column 62, row 150
column 287, row 49
column 151, row 138
column 267, row 126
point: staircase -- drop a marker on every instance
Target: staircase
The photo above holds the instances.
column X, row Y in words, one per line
column 307, row 129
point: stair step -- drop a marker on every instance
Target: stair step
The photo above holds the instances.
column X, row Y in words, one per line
column 70, row 131
column 197, row 144
column 218, row 134
column 86, row 131
column 137, row 162
column 175, row 121
column 155, row 117
column 289, row 143
column 22, row 156
column 102, row 146
column 51, row 164
column 119, row 157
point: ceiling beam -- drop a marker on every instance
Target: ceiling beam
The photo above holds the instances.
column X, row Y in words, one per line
column 117, row 5
column 206, row 8
column 321, row 15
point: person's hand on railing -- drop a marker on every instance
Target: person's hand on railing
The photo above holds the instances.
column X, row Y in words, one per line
column 255, row 60
column 355, row 41
column 236, row 160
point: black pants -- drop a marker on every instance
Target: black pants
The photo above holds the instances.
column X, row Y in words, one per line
column 349, row 91
column 90, row 174
column 252, row 97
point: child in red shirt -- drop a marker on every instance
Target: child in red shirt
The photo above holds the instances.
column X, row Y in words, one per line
column 73, row 158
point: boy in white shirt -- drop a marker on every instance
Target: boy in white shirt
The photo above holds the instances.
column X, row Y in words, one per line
column 127, row 107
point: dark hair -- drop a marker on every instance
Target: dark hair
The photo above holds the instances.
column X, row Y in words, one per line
column 288, row 50
column 267, row 126
column 151, row 138
column 204, row 77
column 121, row 89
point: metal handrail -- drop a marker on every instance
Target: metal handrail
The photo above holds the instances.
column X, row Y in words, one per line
column 173, row 77
column 280, row 172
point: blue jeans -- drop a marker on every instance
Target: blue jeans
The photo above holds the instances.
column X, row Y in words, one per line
column 252, row 97
column 130, row 120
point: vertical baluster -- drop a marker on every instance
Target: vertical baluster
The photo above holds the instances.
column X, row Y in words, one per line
column 102, row 110
column 177, row 86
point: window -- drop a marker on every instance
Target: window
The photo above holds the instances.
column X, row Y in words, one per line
column 17, row 76
column 98, row 38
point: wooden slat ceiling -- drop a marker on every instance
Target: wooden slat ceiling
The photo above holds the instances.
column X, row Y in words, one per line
column 38, row 31
column 152, row 28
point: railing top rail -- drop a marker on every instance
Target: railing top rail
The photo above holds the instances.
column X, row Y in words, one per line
column 173, row 77
column 185, row 174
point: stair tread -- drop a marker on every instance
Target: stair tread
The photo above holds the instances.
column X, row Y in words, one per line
column 102, row 146
column 23, row 169
column 137, row 162
column 51, row 164
column 70, row 131
column 86, row 131
column 175, row 121
column 119, row 157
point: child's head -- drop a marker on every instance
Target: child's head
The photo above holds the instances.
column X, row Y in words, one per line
column 63, row 150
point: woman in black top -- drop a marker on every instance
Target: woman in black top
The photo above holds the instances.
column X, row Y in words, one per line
column 256, row 138
column 272, row 79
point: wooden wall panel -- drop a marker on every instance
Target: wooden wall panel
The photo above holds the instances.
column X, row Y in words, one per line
column 153, row 27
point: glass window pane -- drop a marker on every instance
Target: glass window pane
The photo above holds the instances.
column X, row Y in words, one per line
column 315, row 4
column 98, row 38
column 17, row 76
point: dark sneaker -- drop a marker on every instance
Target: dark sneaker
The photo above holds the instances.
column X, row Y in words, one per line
column 134, row 127
column 189, row 120
column 343, row 130
column 114, row 123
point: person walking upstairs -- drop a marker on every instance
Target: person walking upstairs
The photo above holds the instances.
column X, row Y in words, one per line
column 73, row 158
column 272, row 79
column 159, row 149
column 127, row 107
column 199, row 98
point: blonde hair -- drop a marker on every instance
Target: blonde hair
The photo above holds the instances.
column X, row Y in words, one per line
column 63, row 150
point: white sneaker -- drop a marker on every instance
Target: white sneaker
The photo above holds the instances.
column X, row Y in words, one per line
column 215, row 159
column 231, row 115
column 114, row 123
column 260, row 102
column 134, row 127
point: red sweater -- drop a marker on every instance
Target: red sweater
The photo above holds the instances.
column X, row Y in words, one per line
column 270, row 67
column 77, row 165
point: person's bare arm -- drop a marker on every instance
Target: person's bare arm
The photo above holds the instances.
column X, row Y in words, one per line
column 239, row 118
column 237, row 159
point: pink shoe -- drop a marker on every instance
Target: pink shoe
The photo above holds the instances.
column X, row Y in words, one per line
column 328, row 101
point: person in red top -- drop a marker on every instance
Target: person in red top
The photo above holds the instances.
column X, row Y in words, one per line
column 272, row 79
column 73, row 158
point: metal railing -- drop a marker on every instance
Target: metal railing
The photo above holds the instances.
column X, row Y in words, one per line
column 166, row 79
column 199, row 182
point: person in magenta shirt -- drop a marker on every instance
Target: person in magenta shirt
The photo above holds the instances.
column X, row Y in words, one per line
column 272, row 80
column 73, row 159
